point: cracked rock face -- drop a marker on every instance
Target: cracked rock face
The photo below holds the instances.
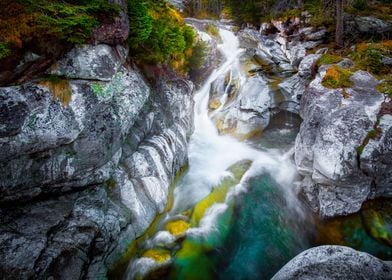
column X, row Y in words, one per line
column 338, row 176
column 334, row 262
column 82, row 178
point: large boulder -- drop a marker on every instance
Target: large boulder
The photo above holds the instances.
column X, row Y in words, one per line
column 328, row 150
column 334, row 262
column 357, row 27
column 86, row 163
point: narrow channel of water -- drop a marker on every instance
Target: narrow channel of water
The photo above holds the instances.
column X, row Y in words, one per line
column 235, row 214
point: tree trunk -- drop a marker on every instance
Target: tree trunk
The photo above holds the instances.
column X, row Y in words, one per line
column 339, row 24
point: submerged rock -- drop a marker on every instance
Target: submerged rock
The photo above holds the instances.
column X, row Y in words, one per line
column 335, row 262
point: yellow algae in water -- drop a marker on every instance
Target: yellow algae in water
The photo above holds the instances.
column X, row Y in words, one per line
column 375, row 224
column 218, row 194
column 159, row 255
column 177, row 227
column 192, row 262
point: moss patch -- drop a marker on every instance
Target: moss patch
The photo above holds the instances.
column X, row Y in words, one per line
column 372, row 134
column 218, row 194
column 214, row 104
column 213, row 31
column 159, row 255
column 329, row 59
column 368, row 56
column 177, row 227
column 337, row 77
column 385, row 87
column 59, row 88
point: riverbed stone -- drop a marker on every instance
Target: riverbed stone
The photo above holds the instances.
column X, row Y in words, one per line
column 334, row 262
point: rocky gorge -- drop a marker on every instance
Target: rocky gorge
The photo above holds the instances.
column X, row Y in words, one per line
column 86, row 166
column 90, row 154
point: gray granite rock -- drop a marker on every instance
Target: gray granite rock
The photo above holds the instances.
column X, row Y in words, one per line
column 91, row 62
column 334, row 262
column 327, row 152
column 81, row 179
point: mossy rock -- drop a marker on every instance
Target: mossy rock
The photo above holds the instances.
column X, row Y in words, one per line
column 177, row 228
column 214, row 104
column 337, row 77
column 158, row 255
column 218, row 194
column 326, row 59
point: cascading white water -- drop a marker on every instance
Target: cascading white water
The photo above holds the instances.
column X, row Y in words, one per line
column 210, row 154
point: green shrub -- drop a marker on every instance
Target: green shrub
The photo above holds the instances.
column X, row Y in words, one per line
column 386, row 87
column 23, row 21
column 369, row 56
column 140, row 24
column 4, row 50
column 158, row 34
column 196, row 61
column 360, row 4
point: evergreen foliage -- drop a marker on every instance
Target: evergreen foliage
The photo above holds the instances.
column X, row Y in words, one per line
column 158, row 34
column 68, row 21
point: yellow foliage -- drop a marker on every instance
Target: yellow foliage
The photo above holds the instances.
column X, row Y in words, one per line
column 16, row 24
column 337, row 77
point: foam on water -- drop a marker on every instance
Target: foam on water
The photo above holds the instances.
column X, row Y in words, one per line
column 210, row 154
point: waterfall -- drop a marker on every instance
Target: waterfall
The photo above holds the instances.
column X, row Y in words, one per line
column 210, row 155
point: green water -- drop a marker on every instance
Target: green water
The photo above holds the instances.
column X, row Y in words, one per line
column 258, row 231
column 256, row 236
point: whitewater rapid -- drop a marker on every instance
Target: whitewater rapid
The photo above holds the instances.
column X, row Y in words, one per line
column 210, row 154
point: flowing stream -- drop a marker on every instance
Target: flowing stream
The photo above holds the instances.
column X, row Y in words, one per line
column 235, row 214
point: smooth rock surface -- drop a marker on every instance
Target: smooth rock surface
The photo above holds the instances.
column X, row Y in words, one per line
column 334, row 262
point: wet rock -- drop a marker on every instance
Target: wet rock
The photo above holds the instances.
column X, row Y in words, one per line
column 335, row 262
column 54, row 145
column 376, row 158
column 249, row 113
column 386, row 60
column 249, row 38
